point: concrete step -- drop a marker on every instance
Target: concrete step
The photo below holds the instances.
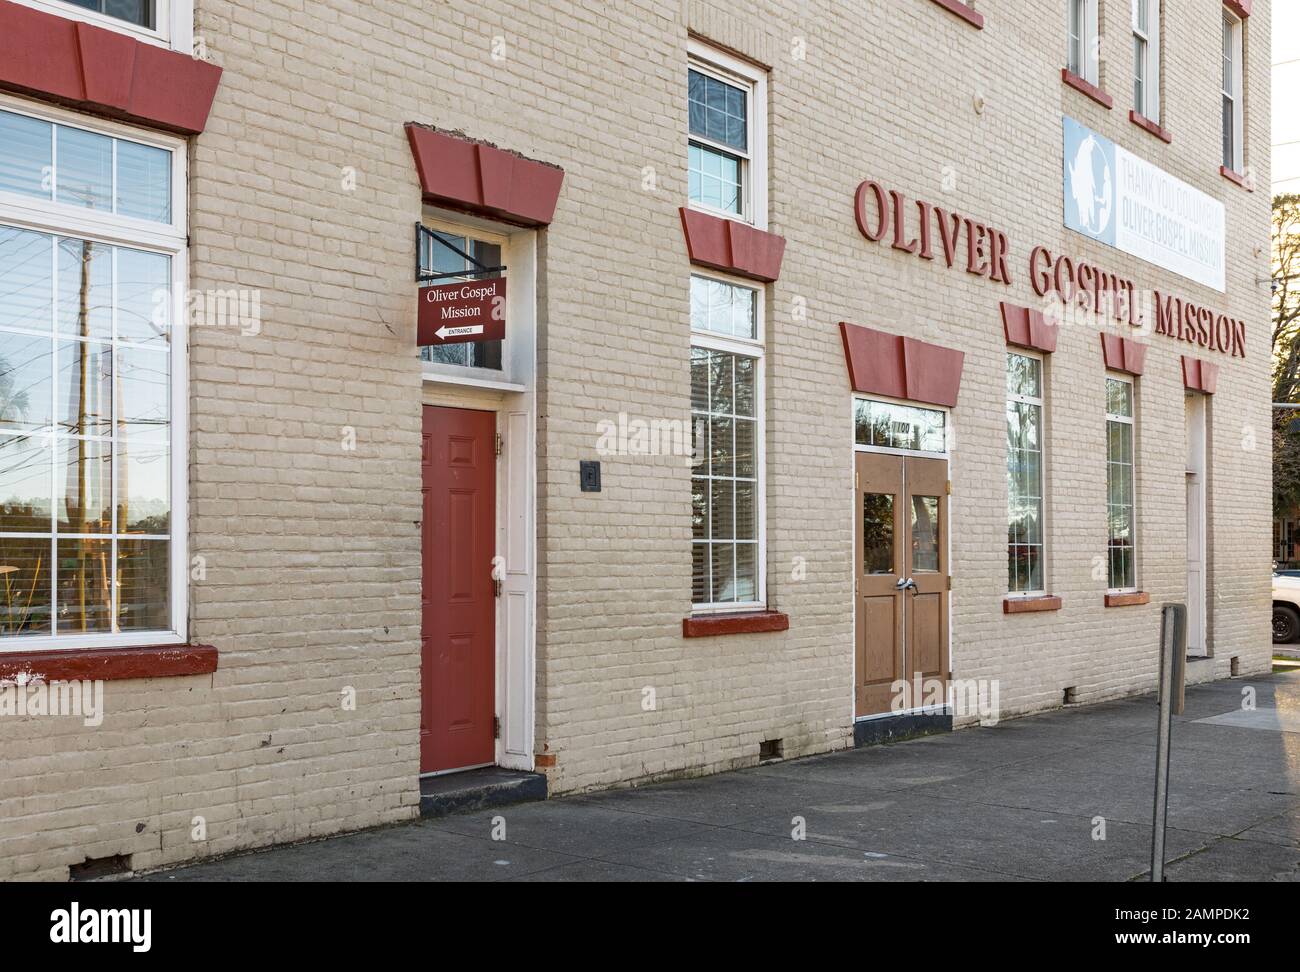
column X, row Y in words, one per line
column 478, row 789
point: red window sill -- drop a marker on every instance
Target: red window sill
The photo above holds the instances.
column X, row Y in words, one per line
column 1236, row 177
column 1146, row 124
column 1087, row 87
column 965, row 11
column 1027, row 605
column 1124, row 600
column 155, row 661
column 748, row 622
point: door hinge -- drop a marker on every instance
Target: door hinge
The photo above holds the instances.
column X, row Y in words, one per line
column 500, row 443
column 949, row 580
column 948, row 487
column 496, row 586
column 496, row 727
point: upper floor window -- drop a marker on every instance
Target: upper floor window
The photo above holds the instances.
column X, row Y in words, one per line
column 1121, row 504
column 1146, row 58
column 1233, row 154
column 726, row 150
column 1081, row 34
column 138, row 12
column 168, row 23
column 92, row 457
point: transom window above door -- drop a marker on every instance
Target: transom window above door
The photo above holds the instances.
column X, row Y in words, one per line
column 888, row 425
column 460, row 255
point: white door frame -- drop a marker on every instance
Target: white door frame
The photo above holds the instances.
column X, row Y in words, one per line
column 512, row 395
column 1197, row 552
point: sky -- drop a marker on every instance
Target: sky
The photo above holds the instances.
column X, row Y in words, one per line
column 1286, row 85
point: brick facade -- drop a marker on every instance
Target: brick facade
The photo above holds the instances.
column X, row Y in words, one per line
column 312, row 551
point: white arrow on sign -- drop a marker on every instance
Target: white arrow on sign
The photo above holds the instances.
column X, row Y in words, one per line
column 445, row 332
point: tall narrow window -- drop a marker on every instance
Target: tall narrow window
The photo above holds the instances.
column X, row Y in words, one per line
column 726, row 426
column 92, row 467
column 1233, row 155
column 1025, row 547
column 1121, row 561
column 1146, row 58
column 726, row 145
column 1081, row 39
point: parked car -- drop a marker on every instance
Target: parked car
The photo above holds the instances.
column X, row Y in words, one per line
column 1286, row 606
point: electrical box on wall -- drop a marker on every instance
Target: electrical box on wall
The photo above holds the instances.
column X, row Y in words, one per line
column 589, row 475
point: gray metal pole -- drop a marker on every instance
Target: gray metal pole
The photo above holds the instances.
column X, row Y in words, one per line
column 1173, row 657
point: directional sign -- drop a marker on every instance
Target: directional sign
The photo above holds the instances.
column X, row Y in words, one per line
column 472, row 310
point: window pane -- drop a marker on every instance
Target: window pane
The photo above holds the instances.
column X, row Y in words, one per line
column 143, row 296
column 717, row 110
column 138, row 12
column 899, row 426
column 144, row 584
column 26, row 376
column 85, row 289
column 25, row 155
column 24, row 485
column 1120, row 505
column 714, row 178
column 722, row 509
column 701, row 592
column 26, row 279
column 723, row 308
column 746, row 508
column 85, row 571
column 144, row 489
column 1024, row 376
column 1119, row 397
column 82, row 481
column 85, row 392
column 925, row 533
column 877, row 533
column 25, row 572
column 144, row 182
column 144, row 409
column 746, row 572
column 699, row 509
column 724, row 568
column 85, row 171
column 746, row 457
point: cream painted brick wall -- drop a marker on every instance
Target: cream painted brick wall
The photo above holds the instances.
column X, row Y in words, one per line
column 313, row 552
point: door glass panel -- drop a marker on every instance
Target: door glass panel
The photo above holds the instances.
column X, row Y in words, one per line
column 925, row 534
column 877, row 533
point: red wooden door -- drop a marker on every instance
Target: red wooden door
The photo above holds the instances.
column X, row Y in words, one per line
column 458, row 636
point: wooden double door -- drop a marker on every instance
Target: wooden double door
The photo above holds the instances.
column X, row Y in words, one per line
column 903, row 579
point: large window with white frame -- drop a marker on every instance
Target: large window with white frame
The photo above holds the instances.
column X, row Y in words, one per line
column 92, row 377
column 1146, row 58
column 167, row 23
column 1121, row 493
column 727, row 141
column 1081, row 39
column 1233, row 136
column 1025, row 452
column 727, row 493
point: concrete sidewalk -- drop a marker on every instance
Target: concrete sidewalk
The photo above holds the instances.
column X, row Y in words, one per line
column 1020, row 801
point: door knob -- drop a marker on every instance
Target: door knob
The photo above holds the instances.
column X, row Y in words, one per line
column 905, row 584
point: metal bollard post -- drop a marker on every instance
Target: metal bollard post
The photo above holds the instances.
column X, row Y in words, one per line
column 1173, row 666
